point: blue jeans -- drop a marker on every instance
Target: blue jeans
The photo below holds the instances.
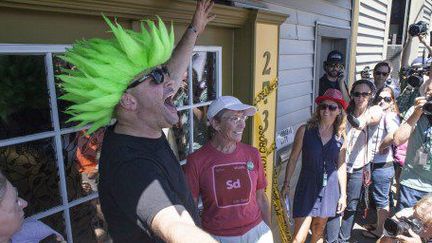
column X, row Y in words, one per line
column 382, row 178
column 408, row 197
column 335, row 232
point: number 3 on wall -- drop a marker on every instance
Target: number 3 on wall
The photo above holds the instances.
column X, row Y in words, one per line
column 267, row 69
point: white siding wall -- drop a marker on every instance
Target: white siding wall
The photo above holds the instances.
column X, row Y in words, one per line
column 297, row 50
column 372, row 34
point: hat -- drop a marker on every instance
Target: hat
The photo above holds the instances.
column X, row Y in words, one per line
column 333, row 95
column 230, row 103
column 420, row 62
column 335, row 57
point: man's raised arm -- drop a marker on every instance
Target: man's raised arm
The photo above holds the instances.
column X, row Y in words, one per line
column 179, row 60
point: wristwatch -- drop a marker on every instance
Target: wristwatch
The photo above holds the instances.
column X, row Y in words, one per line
column 191, row 27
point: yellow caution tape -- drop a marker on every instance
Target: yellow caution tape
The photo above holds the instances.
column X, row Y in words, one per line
column 265, row 151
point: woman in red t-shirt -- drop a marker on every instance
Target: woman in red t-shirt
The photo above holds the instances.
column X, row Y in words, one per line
column 229, row 177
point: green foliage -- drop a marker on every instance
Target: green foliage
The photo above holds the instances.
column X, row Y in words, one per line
column 22, row 84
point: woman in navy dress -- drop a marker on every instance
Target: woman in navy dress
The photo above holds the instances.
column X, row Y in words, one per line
column 321, row 187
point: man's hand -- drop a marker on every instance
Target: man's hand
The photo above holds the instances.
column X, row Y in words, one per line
column 180, row 58
column 415, row 238
column 422, row 39
column 202, row 15
column 418, row 103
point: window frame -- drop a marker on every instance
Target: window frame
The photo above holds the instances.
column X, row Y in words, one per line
column 48, row 51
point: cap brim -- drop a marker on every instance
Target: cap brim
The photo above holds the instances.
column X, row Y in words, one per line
column 248, row 109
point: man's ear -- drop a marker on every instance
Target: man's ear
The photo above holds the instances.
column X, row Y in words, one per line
column 128, row 102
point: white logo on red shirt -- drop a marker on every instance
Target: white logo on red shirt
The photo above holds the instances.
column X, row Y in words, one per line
column 232, row 184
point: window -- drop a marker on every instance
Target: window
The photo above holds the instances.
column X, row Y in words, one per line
column 53, row 165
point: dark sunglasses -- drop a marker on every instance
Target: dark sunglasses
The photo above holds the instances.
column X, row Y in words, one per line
column 386, row 99
column 324, row 106
column 335, row 65
column 381, row 73
column 157, row 76
column 364, row 94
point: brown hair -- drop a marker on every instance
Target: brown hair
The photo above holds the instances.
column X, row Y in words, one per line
column 338, row 124
column 395, row 107
column 383, row 64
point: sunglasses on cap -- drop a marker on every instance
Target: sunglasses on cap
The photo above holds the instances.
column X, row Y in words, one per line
column 157, row 76
column 364, row 94
column 386, row 99
column 381, row 73
column 331, row 107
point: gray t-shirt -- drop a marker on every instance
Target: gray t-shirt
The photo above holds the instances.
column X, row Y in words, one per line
column 389, row 123
column 417, row 172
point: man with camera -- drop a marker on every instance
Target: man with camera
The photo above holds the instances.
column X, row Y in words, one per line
column 416, row 177
column 411, row 225
column 412, row 76
column 334, row 74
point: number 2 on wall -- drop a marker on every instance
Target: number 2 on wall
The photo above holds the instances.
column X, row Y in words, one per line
column 267, row 69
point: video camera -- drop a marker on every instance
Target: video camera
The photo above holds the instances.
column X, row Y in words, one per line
column 414, row 77
column 393, row 227
column 414, row 74
column 366, row 73
column 418, row 28
column 427, row 107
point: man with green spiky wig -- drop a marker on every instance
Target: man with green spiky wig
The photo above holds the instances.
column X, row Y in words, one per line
column 133, row 78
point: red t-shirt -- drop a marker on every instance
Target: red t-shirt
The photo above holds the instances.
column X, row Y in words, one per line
column 227, row 184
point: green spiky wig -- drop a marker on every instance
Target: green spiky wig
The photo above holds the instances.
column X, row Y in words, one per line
column 103, row 68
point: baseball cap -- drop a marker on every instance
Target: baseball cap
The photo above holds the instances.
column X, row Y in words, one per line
column 230, row 103
column 335, row 57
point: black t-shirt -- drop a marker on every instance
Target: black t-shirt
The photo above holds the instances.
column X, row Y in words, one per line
column 139, row 173
column 325, row 84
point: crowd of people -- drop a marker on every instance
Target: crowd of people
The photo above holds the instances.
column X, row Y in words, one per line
column 354, row 148
column 354, row 168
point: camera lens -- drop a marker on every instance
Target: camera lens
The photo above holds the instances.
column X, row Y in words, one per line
column 391, row 227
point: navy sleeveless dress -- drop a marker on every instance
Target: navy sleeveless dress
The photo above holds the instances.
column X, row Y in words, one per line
column 312, row 198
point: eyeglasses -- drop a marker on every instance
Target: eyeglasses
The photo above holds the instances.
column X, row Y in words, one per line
column 381, row 73
column 386, row 99
column 156, row 74
column 324, row 106
column 364, row 94
column 237, row 119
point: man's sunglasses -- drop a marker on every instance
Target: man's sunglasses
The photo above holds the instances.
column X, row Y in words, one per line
column 336, row 65
column 157, row 76
column 386, row 99
column 381, row 73
column 364, row 94
column 324, row 106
